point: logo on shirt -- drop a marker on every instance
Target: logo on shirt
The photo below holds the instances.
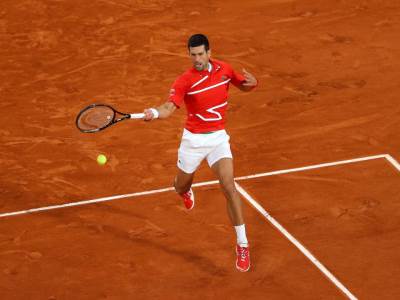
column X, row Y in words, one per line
column 224, row 77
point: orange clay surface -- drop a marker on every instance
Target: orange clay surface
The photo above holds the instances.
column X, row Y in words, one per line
column 328, row 90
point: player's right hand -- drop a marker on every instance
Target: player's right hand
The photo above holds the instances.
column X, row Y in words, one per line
column 148, row 115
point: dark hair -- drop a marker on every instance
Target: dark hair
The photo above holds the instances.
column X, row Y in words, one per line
column 198, row 40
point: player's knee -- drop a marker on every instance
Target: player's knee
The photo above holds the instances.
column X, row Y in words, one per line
column 229, row 189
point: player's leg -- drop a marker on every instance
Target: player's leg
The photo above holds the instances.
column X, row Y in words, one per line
column 220, row 160
column 189, row 159
column 223, row 168
column 183, row 181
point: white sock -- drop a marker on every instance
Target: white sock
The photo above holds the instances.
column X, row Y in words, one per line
column 241, row 235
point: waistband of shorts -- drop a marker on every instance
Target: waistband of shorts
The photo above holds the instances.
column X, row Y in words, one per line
column 207, row 132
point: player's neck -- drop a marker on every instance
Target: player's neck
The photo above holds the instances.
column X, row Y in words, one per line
column 208, row 67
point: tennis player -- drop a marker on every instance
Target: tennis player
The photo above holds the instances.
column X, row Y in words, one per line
column 204, row 90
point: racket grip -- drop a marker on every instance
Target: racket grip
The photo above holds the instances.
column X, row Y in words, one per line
column 137, row 116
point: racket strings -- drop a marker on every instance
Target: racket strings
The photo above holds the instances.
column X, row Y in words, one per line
column 95, row 118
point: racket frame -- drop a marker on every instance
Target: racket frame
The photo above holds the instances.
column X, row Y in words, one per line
column 113, row 121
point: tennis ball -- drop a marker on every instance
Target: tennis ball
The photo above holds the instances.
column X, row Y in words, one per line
column 101, row 159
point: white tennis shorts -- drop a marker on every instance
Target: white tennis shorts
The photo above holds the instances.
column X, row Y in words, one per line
column 196, row 146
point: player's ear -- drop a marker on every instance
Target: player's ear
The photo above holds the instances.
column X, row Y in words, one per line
column 209, row 52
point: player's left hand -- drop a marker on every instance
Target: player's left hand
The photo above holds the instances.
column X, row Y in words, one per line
column 251, row 81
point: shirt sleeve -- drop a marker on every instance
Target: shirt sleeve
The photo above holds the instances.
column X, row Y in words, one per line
column 236, row 78
column 178, row 91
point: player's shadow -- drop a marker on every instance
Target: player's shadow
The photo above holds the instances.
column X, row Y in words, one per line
column 140, row 237
column 204, row 263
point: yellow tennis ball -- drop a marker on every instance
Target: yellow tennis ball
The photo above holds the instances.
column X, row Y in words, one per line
column 101, row 159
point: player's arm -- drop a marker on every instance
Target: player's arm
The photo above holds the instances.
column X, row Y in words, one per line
column 175, row 99
column 249, row 82
column 161, row 112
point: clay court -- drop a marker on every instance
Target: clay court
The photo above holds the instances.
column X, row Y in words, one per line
column 316, row 151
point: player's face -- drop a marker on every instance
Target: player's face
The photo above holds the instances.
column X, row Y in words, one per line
column 200, row 57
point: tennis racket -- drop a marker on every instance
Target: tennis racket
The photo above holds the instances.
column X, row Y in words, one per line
column 96, row 117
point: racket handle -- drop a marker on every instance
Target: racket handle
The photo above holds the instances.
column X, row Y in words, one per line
column 137, row 116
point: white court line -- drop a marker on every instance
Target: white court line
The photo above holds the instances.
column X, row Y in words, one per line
column 295, row 242
column 104, row 199
column 393, row 161
column 335, row 163
column 32, row 210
